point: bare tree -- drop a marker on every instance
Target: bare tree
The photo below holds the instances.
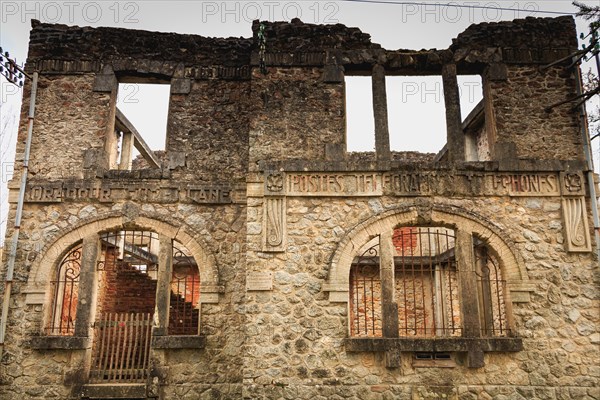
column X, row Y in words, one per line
column 591, row 82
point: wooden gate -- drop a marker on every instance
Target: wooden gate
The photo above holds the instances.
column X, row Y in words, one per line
column 121, row 348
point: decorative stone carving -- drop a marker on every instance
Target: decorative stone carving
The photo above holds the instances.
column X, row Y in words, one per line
column 274, row 224
column 577, row 232
column 275, row 182
column 572, row 183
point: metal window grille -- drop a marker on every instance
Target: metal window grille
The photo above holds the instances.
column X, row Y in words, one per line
column 365, row 294
column 426, row 282
column 426, row 285
column 129, row 250
column 122, row 348
column 65, row 294
column 492, row 288
column 184, row 313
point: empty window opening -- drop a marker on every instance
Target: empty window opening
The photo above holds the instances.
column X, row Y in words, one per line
column 473, row 116
column 360, row 123
column 470, row 89
column 127, row 280
column 141, row 125
column 416, row 113
column 365, row 292
column 426, row 286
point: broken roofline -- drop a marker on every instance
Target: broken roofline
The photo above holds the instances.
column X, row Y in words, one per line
column 525, row 41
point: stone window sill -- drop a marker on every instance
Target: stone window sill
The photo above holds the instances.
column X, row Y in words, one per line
column 434, row 345
column 179, row 342
column 59, row 343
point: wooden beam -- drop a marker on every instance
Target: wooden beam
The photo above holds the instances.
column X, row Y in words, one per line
column 126, row 126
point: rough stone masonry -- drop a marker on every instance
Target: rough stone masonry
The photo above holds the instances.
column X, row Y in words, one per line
column 256, row 258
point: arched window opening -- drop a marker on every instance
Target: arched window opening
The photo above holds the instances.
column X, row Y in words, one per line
column 365, row 294
column 184, row 309
column 492, row 289
column 426, row 282
column 434, row 290
column 124, row 292
column 427, row 286
column 65, row 289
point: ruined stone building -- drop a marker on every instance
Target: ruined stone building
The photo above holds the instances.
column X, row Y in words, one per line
column 257, row 258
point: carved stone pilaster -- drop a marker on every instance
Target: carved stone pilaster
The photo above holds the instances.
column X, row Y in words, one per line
column 577, row 233
column 274, row 222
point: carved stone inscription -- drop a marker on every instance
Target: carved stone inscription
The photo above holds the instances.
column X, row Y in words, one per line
column 415, row 184
column 333, row 184
column 58, row 192
column 527, row 184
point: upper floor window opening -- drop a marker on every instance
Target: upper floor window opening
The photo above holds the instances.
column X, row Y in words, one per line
column 360, row 126
column 140, row 125
column 416, row 114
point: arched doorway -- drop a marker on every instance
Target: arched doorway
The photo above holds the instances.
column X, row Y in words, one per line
column 134, row 269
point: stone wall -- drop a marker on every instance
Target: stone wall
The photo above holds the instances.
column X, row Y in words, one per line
column 256, row 183
column 69, row 112
column 522, row 119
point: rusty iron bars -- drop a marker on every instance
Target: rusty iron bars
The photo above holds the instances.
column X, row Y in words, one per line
column 491, row 287
column 426, row 285
column 121, row 348
column 426, row 278
column 129, row 250
column 65, row 294
column 365, row 292
column 184, row 313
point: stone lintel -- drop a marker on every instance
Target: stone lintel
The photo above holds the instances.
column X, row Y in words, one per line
column 60, row 343
column 454, row 344
column 179, row 342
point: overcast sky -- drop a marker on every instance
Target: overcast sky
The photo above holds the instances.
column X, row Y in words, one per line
column 415, row 106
